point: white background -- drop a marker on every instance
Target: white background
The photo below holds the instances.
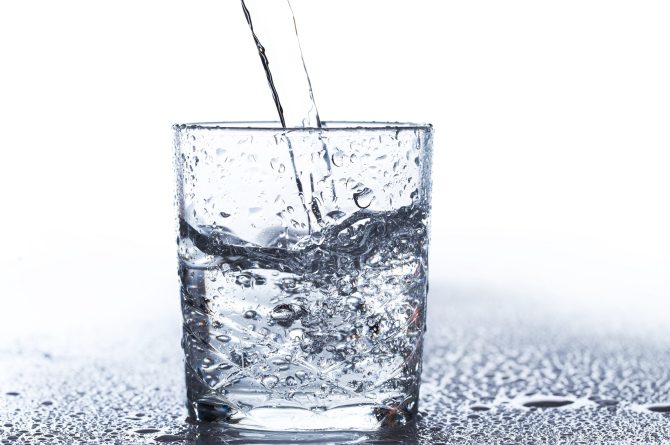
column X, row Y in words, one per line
column 551, row 174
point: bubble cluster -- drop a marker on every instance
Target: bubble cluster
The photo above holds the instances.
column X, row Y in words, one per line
column 336, row 321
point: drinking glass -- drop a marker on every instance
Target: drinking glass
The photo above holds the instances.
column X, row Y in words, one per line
column 303, row 260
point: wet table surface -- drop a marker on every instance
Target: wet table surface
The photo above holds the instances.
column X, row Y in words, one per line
column 499, row 367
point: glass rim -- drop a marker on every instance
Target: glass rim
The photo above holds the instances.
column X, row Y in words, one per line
column 327, row 125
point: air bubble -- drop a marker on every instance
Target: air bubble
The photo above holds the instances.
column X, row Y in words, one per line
column 345, row 286
column 354, row 303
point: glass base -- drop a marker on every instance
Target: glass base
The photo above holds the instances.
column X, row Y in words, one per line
column 358, row 417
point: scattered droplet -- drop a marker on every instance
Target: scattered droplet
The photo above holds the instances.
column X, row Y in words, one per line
column 548, row 403
column 607, row 402
column 659, row 408
column 147, row 431
column 224, row 214
column 480, row 408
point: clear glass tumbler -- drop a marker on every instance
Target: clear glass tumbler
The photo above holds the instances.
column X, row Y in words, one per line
column 303, row 259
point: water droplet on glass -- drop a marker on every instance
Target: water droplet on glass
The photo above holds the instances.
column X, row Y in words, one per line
column 223, row 338
column 364, row 198
column 335, row 215
column 337, row 158
column 283, row 315
column 548, row 403
column 269, row 381
column 250, row 315
column 147, row 431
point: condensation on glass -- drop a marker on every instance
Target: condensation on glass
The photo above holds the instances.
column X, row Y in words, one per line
column 303, row 260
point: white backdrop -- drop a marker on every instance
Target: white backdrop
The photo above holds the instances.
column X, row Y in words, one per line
column 552, row 161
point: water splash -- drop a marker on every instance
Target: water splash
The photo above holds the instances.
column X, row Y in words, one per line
column 290, row 75
column 297, row 107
